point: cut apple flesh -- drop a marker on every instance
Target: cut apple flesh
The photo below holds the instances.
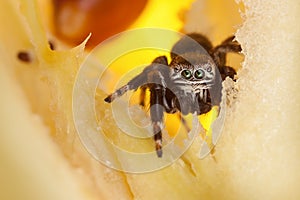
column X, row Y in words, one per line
column 256, row 156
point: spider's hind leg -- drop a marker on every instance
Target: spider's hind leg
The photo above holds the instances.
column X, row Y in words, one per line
column 219, row 55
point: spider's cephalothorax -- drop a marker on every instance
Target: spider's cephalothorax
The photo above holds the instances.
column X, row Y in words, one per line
column 190, row 83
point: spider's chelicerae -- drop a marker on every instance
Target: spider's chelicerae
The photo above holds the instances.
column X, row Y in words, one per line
column 190, row 83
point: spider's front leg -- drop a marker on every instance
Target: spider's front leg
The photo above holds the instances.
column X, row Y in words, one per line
column 138, row 81
column 153, row 78
column 143, row 95
column 157, row 85
column 133, row 84
column 157, row 113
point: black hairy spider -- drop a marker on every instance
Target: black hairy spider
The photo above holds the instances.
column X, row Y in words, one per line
column 190, row 83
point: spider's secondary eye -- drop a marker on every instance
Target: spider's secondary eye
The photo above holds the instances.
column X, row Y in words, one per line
column 186, row 74
column 199, row 74
column 208, row 69
column 176, row 69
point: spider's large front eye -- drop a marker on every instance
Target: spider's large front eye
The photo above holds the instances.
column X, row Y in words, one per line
column 186, row 74
column 199, row 74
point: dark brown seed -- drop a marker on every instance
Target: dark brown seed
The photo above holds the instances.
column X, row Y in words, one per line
column 52, row 47
column 24, row 56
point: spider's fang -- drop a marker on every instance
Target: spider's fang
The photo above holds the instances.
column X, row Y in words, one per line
column 201, row 94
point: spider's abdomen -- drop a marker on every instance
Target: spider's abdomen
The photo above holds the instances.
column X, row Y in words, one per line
column 192, row 42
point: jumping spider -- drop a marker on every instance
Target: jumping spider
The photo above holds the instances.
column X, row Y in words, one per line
column 190, row 83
